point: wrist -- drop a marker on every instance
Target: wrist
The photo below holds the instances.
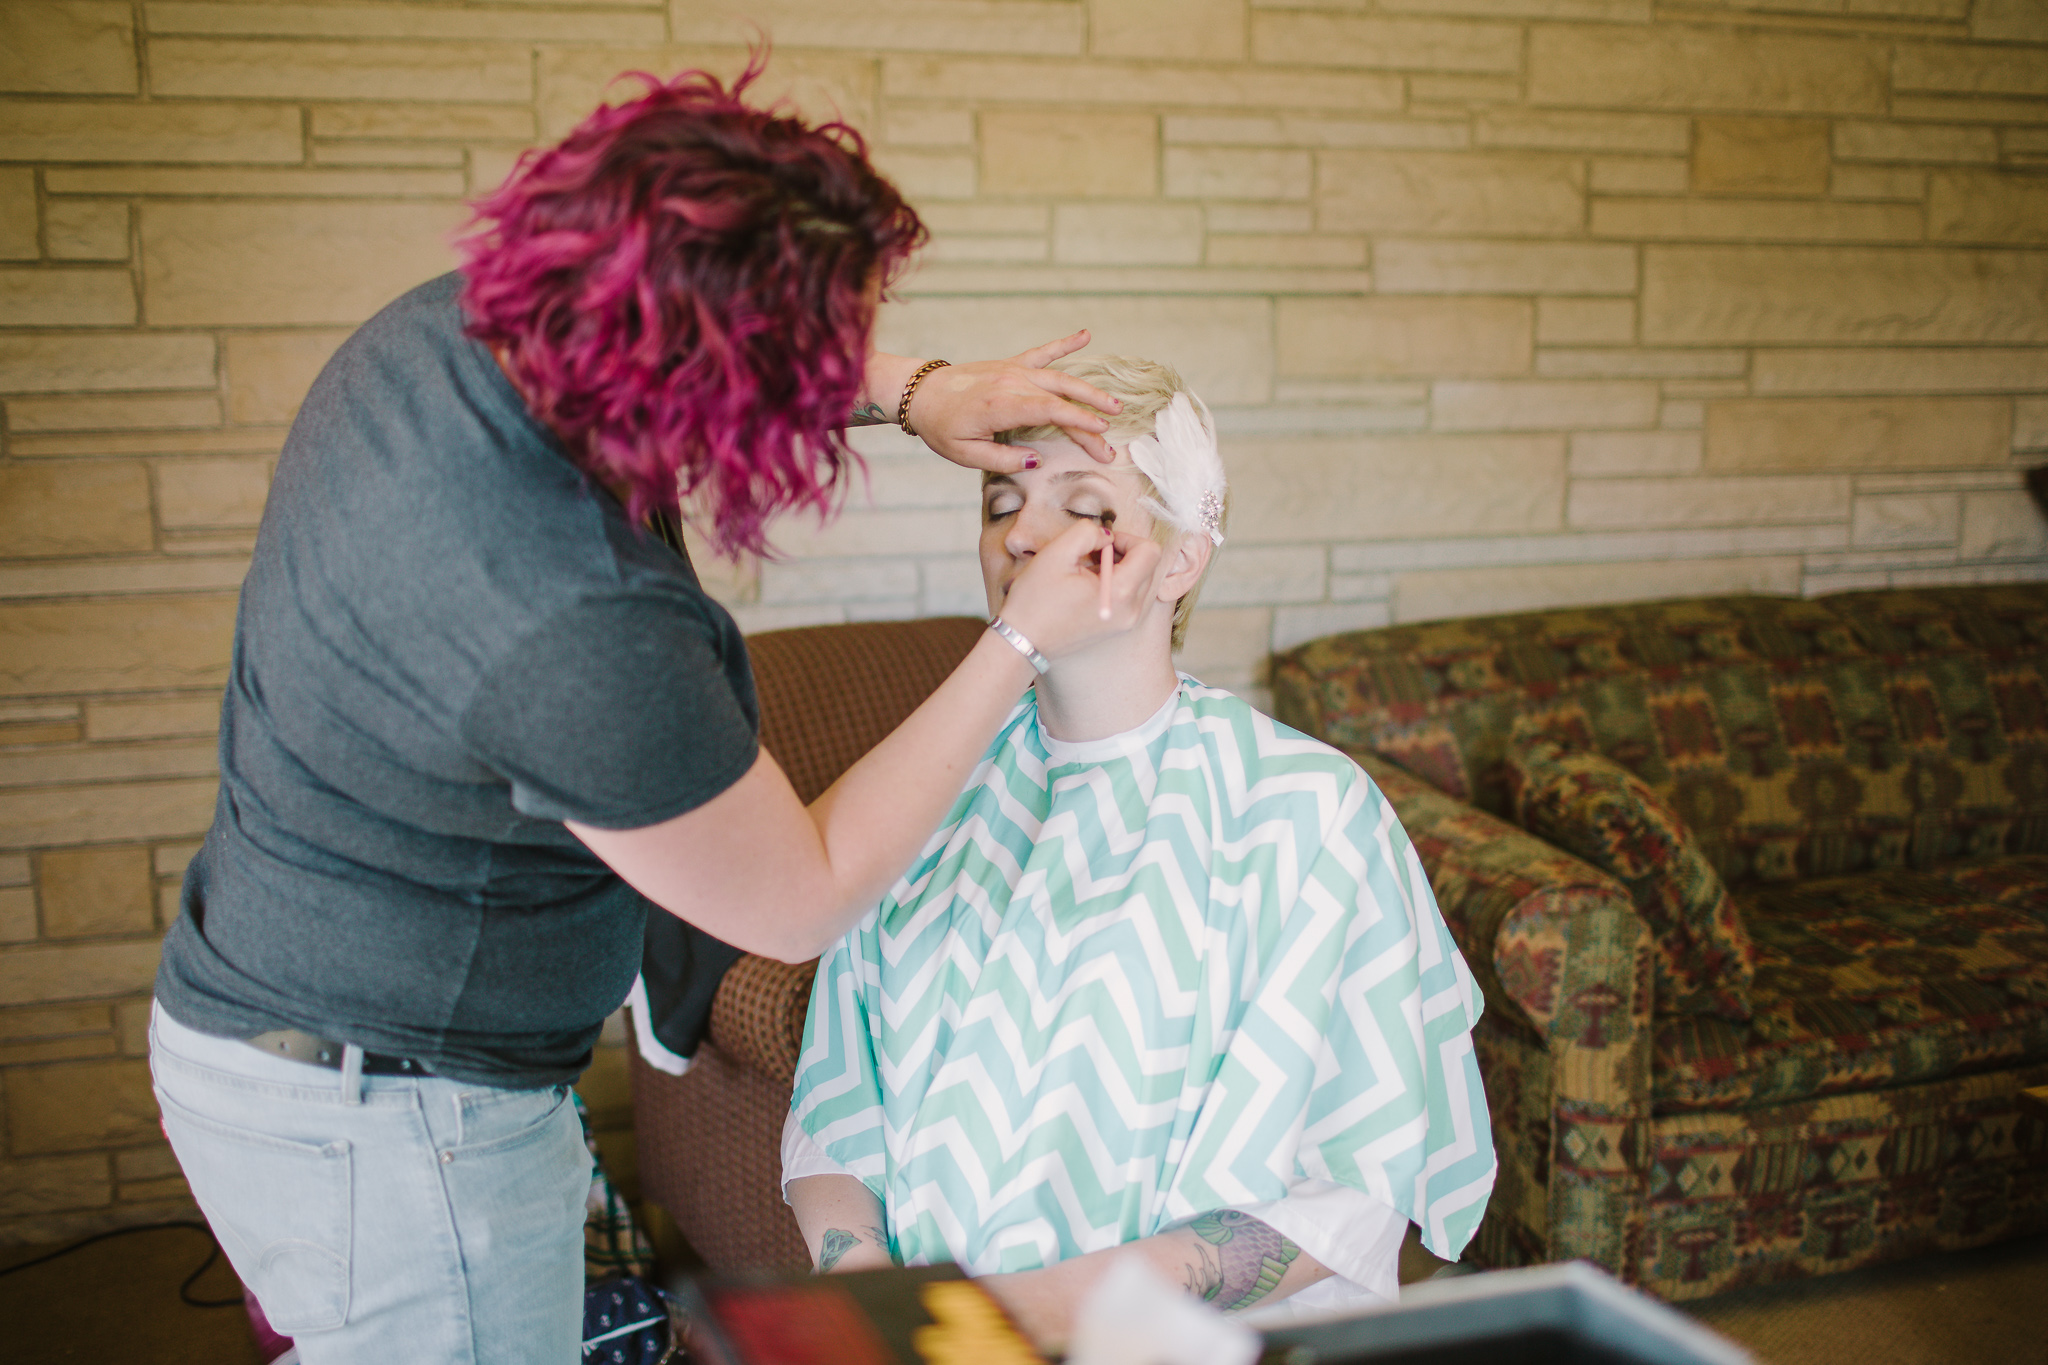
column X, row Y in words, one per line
column 884, row 379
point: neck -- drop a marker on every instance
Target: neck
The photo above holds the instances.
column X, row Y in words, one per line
column 1114, row 687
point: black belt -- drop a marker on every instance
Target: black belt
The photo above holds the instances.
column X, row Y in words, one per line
column 295, row 1046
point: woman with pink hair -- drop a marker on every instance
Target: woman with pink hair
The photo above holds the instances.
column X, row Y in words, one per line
column 481, row 717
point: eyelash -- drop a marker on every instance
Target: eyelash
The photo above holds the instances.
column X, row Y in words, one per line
column 991, row 514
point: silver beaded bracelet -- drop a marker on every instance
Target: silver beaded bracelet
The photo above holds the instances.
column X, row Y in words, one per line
column 1015, row 638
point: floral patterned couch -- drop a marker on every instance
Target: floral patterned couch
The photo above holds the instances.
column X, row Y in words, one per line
column 1868, row 775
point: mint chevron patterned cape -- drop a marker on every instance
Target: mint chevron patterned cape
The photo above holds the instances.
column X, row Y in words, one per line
column 1134, row 980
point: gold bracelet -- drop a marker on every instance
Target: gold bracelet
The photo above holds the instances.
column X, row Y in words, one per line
column 903, row 408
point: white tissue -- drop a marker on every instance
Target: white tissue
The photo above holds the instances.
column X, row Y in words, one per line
column 1135, row 1316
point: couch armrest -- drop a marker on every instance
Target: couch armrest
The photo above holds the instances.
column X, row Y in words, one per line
column 1554, row 942
column 757, row 1017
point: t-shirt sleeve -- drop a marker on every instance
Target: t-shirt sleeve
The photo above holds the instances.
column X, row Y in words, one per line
column 618, row 713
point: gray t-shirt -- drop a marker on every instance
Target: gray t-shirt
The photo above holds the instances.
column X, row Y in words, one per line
column 450, row 640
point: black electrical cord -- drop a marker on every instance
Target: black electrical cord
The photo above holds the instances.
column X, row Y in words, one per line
column 184, row 1290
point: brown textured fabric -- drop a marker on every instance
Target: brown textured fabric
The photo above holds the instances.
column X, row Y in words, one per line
column 831, row 693
column 758, row 1018
column 710, row 1145
column 711, row 1139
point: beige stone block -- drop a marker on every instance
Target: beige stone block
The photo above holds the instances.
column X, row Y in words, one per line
column 32, row 817
column 2030, row 424
column 1858, row 433
column 1260, row 575
column 1651, row 133
column 146, row 1163
column 86, row 230
column 107, row 577
column 211, row 492
column 927, row 174
column 1446, row 593
column 1900, row 369
column 2018, row 20
column 54, row 1050
column 491, row 166
column 1292, row 249
column 1241, row 130
column 42, row 364
column 987, row 80
column 1618, row 11
column 820, row 86
column 837, row 580
column 171, row 859
column 1508, row 194
column 263, row 182
column 110, row 413
column 91, row 892
column 68, row 47
column 1606, row 454
column 1020, row 26
column 1067, row 153
column 988, row 250
column 38, row 766
column 96, row 130
column 1968, row 109
column 115, row 720
column 928, row 126
column 65, row 298
column 1689, row 68
column 1541, row 405
column 1310, row 39
column 1860, row 141
column 56, row 1022
column 1441, row 267
column 1227, row 638
column 925, row 281
column 1738, row 500
column 1394, row 487
column 1760, row 156
column 1569, row 322
column 1640, row 175
column 1014, row 219
column 1969, row 69
column 1363, row 337
column 79, row 1105
column 367, row 153
column 229, row 264
column 231, row 68
column 17, row 914
column 54, row 1184
column 1750, row 220
column 1635, row 362
column 1127, row 234
column 1175, row 30
column 1987, row 206
column 1295, row 218
column 2025, row 143
column 1448, row 93
column 397, row 20
column 1238, row 173
column 115, row 645
column 2002, row 525
column 268, row 373
column 1223, row 346
column 18, row 214
column 1298, row 625
column 1905, row 519
column 411, row 122
column 14, row 871
column 74, row 507
column 1787, row 295
column 1878, row 182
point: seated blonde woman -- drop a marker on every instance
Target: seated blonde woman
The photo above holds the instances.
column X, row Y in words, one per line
column 1168, row 983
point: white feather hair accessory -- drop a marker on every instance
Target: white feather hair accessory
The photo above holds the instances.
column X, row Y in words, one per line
column 1181, row 460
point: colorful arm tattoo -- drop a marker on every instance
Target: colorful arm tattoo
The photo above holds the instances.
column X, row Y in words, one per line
column 1239, row 1260
column 869, row 415
column 838, row 1241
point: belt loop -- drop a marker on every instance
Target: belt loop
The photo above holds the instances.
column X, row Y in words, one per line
column 351, row 1074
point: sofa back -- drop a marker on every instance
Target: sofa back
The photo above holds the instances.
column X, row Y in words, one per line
column 1795, row 737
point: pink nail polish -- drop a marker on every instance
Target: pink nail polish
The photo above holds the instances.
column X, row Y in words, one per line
column 1031, row 462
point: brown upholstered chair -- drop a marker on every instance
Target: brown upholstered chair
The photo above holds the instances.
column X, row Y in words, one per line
column 710, row 1140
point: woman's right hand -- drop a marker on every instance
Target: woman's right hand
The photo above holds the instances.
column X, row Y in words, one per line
column 1056, row 602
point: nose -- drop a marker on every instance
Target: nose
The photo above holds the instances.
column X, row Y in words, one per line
column 1025, row 535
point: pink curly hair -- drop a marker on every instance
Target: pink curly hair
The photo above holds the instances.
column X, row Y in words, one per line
column 681, row 290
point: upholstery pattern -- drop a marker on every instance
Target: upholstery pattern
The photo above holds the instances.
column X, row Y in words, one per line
column 1864, row 772
column 1592, row 806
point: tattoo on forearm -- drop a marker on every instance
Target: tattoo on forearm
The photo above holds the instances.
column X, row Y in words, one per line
column 869, row 415
column 838, row 1241
column 1239, row 1260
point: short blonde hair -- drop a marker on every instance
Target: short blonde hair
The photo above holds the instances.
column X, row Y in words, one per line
column 1145, row 387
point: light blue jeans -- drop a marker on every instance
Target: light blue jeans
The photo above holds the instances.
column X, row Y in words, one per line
column 384, row 1218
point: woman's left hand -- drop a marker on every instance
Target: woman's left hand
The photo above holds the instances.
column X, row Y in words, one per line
column 958, row 409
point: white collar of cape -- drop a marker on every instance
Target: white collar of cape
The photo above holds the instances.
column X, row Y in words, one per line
column 1060, row 753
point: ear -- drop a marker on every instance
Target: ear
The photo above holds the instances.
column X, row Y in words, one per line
column 1185, row 562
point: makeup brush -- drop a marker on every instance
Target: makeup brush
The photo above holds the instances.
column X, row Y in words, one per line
column 1108, row 558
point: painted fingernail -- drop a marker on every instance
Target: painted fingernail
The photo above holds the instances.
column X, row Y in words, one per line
column 1031, row 462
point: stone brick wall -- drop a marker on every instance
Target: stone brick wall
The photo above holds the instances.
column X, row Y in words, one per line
column 1501, row 303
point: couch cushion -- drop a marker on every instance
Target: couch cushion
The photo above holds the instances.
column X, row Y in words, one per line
column 1590, row 805
column 1876, row 980
column 1903, row 728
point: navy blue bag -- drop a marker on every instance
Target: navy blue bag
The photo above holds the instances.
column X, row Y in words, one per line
column 626, row 1322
